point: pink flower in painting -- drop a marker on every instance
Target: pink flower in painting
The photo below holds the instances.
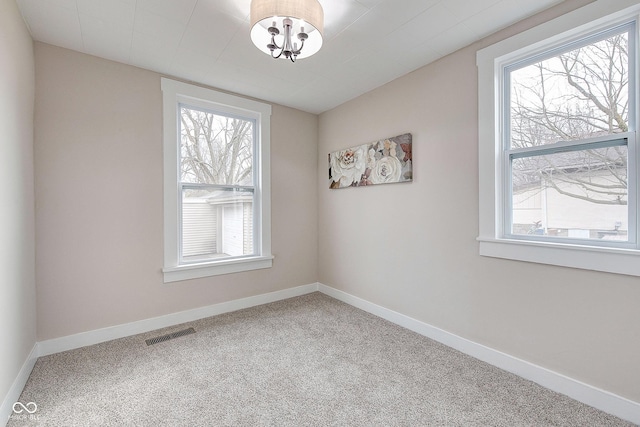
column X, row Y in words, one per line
column 407, row 150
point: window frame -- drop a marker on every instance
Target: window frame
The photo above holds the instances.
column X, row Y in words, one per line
column 494, row 175
column 176, row 94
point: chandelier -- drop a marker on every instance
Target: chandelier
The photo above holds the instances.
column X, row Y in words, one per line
column 287, row 29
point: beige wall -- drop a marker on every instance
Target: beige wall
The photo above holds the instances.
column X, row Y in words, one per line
column 98, row 156
column 17, row 287
column 411, row 247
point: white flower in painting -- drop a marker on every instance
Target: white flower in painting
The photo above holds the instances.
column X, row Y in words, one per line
column 371, row 158
column 387, row 169
column 387, row 147
column 347, row 166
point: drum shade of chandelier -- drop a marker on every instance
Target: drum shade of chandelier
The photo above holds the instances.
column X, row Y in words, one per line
column 287, row 29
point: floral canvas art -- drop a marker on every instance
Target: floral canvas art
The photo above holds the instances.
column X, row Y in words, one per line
column 381, row 162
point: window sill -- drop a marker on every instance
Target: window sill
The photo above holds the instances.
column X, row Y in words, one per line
column 611, row 260
column 215, row 268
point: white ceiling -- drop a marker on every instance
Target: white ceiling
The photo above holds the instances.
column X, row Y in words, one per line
column 366, row 42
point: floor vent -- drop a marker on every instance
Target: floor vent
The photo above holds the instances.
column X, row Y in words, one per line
column 171, row 336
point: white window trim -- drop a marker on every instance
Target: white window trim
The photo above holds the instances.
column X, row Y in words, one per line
column 490, row 61
column 174, row 92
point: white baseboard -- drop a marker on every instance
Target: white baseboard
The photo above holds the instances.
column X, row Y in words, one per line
column 83, row 339
column 6, row 409
column 585, row 393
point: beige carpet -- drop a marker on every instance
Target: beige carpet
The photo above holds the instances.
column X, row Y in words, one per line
column 306, row 361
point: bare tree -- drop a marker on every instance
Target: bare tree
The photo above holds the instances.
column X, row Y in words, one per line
column 215, row 149
column 578, row 94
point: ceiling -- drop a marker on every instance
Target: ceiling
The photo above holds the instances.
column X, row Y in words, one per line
column 367, row 43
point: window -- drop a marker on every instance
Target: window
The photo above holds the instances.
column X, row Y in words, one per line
column 558, row 155
column 566, row 142
column 217, row 210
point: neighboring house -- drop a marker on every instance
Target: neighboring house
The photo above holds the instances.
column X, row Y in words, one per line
column 217, row 225
column 540, row 207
